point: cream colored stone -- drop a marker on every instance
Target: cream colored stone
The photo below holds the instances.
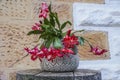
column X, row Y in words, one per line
column 9, row 73
column 94, row 1
column 71, row 1
column 27, row 63
column 64, row 10
column 13, row 41
column 1, row 73
column 96, row 38
column 17, row 9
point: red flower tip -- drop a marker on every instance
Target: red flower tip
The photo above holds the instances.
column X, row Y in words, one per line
column 33, row 57
column 43, row 14
column 26, row 49
column 35, row 53
column 66, row 51
column 68, row 32
column 97, row 50
column 44, row 7
column 36, row 26
column 44, row 10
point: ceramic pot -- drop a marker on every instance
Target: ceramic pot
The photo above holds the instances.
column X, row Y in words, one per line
column 66, row 63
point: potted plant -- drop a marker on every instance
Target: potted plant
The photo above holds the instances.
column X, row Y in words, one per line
column 57, row 50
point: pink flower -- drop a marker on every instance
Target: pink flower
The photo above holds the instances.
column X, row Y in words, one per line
column 32, row 51
column 53, row 53
column 70, row 41
column 68, row 32
column 67, row 51
column 44, row 10
column 97, row 51
column 44, row 7
column 50, row 54
column 36, row 26
column 43, row 14
column 35, row 53
column 44, row 51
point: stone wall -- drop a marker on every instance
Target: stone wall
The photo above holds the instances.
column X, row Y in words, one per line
column 16, row 19
column 101, row 17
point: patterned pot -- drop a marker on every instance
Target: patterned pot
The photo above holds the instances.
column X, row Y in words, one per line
column 61, row 64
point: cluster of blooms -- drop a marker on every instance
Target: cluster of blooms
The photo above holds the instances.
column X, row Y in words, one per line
column 51, row 53
column 68, row 42
column 43, row 14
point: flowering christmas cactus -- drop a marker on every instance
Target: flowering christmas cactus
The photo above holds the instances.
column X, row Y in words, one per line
column 55, row 42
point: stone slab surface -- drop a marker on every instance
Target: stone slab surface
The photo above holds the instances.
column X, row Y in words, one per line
column 81, row 74
column 55, row 76
column 27, row 74
column 84, row 74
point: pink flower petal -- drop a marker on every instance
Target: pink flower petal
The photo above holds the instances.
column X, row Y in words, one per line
column 97, row 50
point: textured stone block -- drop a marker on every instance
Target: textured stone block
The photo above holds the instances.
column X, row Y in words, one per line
column 82, row 74
column 35, row 9
column 63, row 7
column 14, row 8
column 71, row 1
column 12, row 76
column 96, row 38
column 13, row 41
column 11, row 73
column 27, row 74
column 55, row 76
column 113, row 2
column 27, row 63
column 85, row 1
column 101, row 15
column 64, row 10
column 1, row 73
column 8, row 73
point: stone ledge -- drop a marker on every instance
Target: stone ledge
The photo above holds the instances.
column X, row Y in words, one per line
column 80, row 74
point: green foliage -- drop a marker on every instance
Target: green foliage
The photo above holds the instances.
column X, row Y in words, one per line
column 81, row 40
column 52, row 30
column 57, row 43
column 34, row 32
column 64, row 24
column 48, row 42
column 77, row 31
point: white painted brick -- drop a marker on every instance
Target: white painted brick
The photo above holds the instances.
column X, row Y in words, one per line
column 94, row 13
column 117, row 2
